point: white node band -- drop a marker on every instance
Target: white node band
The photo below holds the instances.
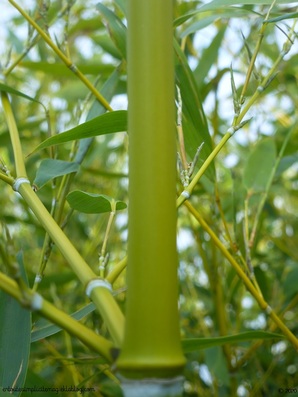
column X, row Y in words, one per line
column 185, row 194
column 36, row 303
column 268, row 309
column 95, row 284
column 18, row 182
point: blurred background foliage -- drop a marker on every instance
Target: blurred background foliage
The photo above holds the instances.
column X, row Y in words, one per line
column 250, row 168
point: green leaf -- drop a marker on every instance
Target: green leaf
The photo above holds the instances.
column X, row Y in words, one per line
column 194, row 121
column 215, row 4
column 207, row 18
column 107, row 123
column 62, row 71
column 259, row 165
column 10, row 90
column 209, row 57
column 92, row 203
column 194, row 344
column 50, row 169
column 282, row 17
column 285, row 163
column 108, row 91
column 290, row 285
column 116, row 28
column 44, row 328
column 15, row 330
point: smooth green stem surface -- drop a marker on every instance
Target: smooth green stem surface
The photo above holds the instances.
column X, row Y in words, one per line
column 152, row 341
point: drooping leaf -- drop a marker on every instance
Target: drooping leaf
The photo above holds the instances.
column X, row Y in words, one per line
column 116, row 28
column 10, row 90
column 282, row 17
column 92, row 203
column 105, row 124
column 61, row 70
column 217, row 365
column 44, row 328
column 195, row 127
column 207, row 18
column 209, row 56
column 194, row 344
column 290, row 285
column 108, row 91
column 215, row 4
column 51, row 168
column 15, row 331
column 285, row 163
column 258, row 167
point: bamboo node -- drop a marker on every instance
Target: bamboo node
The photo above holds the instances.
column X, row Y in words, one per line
column 18, row 182
column 36, row 302
column 97, row 283
column 268, row 309
column 185, row 194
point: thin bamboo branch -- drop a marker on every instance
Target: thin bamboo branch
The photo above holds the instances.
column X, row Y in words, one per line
column 247, row 282
column 49, row 311
column 101, row 296
column 63, row 57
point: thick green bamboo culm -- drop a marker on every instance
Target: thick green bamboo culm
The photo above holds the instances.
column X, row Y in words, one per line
column 151, row 345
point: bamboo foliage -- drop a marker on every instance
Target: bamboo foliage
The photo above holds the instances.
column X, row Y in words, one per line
column 64, row 228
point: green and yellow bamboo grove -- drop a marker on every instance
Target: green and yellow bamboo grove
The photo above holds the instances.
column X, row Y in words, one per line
column 152, row 342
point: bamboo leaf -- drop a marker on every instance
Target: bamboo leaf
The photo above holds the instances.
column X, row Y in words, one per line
column 116, row 28
column 61, row 70
column 209, row 57
column 108, row 91
column 105, row 124
column 15, row 330
column 207, row 18
column 259, row 165
column 10, row 90
column 215, row 4
column 50, row 169
column 282, row 17
column 194, row 121
column 192, row 345
column 44, row 328
column 92, row 203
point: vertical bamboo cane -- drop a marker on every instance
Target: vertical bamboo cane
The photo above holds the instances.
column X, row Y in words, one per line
column 152, row 342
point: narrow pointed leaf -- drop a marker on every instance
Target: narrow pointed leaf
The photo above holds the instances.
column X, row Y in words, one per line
column 116, row 28
column 215, row 4
column 108, row 91
column 209, row 57
column 44, row 328
column 10, row 90
column 15, row 330
column 282, row 17
column 194, row 121
column 105, row 124
column 259, row 165
column 91, row 203
column 50, row 168
column 192, row 345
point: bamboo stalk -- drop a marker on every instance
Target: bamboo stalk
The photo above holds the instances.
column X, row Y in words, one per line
column 151, row 345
